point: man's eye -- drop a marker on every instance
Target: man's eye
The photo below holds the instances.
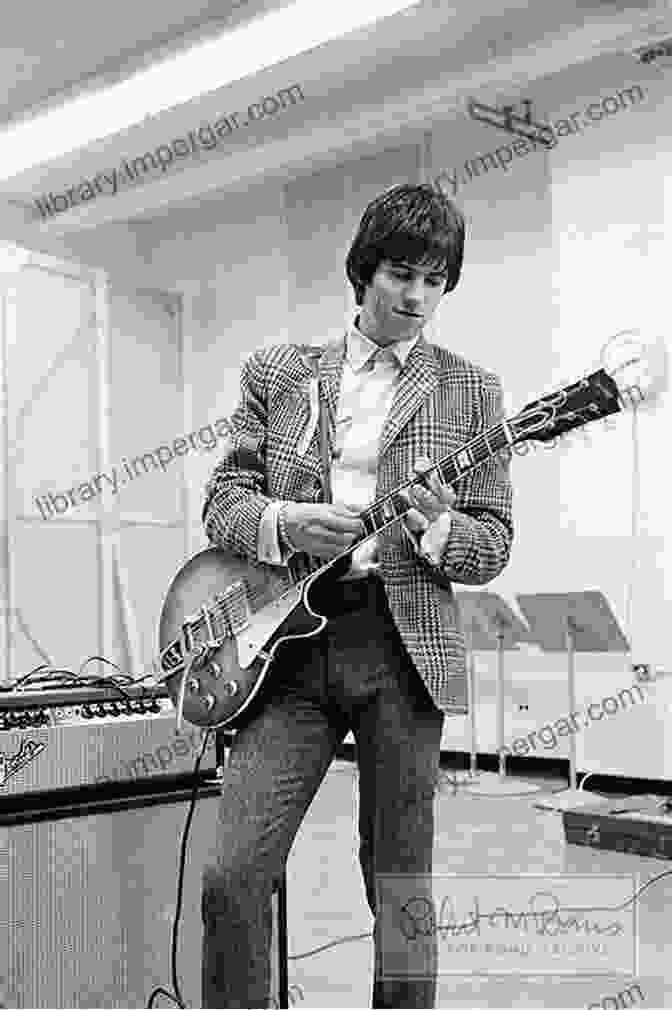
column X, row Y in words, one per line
column 404, row 275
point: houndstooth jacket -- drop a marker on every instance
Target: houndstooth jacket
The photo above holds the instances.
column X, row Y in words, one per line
column 440, row 402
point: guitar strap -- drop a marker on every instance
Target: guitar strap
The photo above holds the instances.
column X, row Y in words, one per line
column 324, row 445
column 311, row 357
column 323, row 420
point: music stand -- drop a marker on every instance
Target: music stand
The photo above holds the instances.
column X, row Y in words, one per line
column 571, row 623
column 489, row 622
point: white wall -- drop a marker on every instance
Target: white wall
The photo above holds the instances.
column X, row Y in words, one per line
column 93, row 377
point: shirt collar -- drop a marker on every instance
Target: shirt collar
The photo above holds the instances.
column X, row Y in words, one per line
column 359, row 349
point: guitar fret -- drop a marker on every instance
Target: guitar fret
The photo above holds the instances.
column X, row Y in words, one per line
column 368, row 522
column 464, row 460
column 447, row 471
column 384, row 512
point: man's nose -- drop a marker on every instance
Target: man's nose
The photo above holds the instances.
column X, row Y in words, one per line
column 414, row 291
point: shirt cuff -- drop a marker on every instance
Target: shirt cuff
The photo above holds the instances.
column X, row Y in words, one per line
column 268, row 541
column 435, row 538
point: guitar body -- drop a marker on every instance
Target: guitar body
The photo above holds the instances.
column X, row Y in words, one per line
column 242, row 617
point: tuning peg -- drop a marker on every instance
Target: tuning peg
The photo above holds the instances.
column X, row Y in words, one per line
column 551, row 444
column 521, row 448
column 562, row 439
column 632, row 396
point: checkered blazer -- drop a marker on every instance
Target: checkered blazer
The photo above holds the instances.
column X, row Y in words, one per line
column 440, row 402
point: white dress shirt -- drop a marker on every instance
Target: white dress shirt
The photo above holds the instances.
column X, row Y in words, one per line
column 370, row 376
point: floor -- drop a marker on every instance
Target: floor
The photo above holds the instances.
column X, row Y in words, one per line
column 491, row 837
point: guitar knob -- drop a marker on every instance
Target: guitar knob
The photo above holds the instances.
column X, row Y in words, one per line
column 194, row 684
column 231, row 688
column 209, row 701
column 216, row 670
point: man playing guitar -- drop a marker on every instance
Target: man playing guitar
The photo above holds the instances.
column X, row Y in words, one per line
column 390, row 663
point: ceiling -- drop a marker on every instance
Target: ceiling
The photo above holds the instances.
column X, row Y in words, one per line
column 51, row 51
column 405, row 71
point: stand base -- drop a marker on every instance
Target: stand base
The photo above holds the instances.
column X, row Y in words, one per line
column 568, row 799
column 494, row 784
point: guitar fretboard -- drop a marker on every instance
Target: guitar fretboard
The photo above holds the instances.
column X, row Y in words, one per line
column 392, row 506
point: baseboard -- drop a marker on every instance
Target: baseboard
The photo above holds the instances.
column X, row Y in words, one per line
column 545, row 767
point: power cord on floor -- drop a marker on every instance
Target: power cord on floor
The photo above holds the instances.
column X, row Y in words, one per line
column 176, row 995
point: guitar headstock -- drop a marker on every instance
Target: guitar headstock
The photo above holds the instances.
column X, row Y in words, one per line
column 591, row 398
column 633, row 372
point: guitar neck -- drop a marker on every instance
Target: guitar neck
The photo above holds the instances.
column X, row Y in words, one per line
column 392, row 506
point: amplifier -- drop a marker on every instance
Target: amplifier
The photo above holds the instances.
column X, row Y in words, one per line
column 84, row 736
column 89, row 857
column 638, row 824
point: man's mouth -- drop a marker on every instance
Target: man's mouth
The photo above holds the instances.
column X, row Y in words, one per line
column 410, row 315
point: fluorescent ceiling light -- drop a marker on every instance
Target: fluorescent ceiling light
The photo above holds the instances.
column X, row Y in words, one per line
column 279, row 35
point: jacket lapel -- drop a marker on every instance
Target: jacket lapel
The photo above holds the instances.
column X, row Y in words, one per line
column 418, row 380
column 331, row 373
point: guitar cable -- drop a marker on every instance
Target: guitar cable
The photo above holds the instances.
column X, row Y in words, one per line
column 176, row 995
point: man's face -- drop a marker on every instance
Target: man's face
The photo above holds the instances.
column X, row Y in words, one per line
column 401, row 298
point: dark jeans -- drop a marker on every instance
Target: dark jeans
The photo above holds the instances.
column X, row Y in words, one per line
column 356, row 675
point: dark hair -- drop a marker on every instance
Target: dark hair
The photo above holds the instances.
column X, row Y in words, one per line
column 410, row 223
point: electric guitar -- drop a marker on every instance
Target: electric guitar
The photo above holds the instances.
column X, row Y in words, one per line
column 224, row 621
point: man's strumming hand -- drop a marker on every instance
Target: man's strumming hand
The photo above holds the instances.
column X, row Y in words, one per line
column 321, row 530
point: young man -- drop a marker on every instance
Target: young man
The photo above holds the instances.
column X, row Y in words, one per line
column 390, row 663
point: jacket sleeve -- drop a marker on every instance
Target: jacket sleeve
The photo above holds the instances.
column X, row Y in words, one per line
column 235, row 494
column 481, row 532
